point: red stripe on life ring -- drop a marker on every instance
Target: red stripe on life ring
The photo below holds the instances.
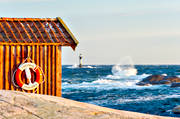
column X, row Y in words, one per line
column 18, row 77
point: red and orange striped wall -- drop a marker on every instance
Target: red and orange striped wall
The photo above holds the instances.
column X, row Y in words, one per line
column 38, row 39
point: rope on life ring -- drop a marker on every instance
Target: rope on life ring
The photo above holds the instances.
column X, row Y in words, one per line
column 26, row 66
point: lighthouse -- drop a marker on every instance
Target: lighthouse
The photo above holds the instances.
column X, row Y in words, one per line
column 80, row 60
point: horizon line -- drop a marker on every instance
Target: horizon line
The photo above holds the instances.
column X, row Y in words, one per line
column 117, row 64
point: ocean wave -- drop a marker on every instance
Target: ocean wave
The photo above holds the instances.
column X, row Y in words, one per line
column 102, row 87
column 114, row 82
column 102, row 83
column 136, row 100
column 127, row 77
column 73, row 66
column 119, row 70
column 149, row 98
column 164, row 74
column 107, row 84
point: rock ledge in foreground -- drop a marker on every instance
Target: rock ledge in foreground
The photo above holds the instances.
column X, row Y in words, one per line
column 19, row 105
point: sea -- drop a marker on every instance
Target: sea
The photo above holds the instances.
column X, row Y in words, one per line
column 114, row 86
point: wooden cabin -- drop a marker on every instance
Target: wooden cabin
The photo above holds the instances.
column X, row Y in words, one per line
column 39, row 40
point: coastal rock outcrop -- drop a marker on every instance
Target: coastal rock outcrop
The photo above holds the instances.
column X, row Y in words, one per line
column 158, row 79
column 176, row 110
column 20, row 105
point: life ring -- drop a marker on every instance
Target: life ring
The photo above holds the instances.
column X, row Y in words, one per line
column 26, row 67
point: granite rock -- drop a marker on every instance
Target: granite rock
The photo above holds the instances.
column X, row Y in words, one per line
column 176, row 110
column 158, row 80
column 21, row 105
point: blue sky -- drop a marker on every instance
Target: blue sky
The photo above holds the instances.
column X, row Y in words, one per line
column 108, row 30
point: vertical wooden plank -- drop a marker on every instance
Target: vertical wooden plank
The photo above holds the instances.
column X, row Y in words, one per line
column 4, row 78
column 18, row 59
column 42, row 86
column 22, row 59
column 32, row 52
column 12, row 66
column 58, row 71
column 7, row 75
column 49, row 70
column 22, row 53
column 9, row 68
column 1, row 67
column 25, row 52
column 37, row 63
column 45, row 69
column 53, row 71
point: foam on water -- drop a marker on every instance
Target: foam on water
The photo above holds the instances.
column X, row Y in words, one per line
column 123, row 77
column 164, row 74
column 76, row 66
column 116, row 87
column 91, row 67
column 107, row 84
column 119, row 70
column 138, row 77
column 124, row 68
column 73, row 66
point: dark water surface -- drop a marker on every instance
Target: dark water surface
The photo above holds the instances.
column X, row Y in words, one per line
column 97, row 85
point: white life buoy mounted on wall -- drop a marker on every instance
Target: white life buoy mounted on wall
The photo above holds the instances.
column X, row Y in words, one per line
column 26, row 66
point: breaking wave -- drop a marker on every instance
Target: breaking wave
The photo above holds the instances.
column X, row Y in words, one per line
column 107, row 84
column 115, row 87
column 123, row 70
